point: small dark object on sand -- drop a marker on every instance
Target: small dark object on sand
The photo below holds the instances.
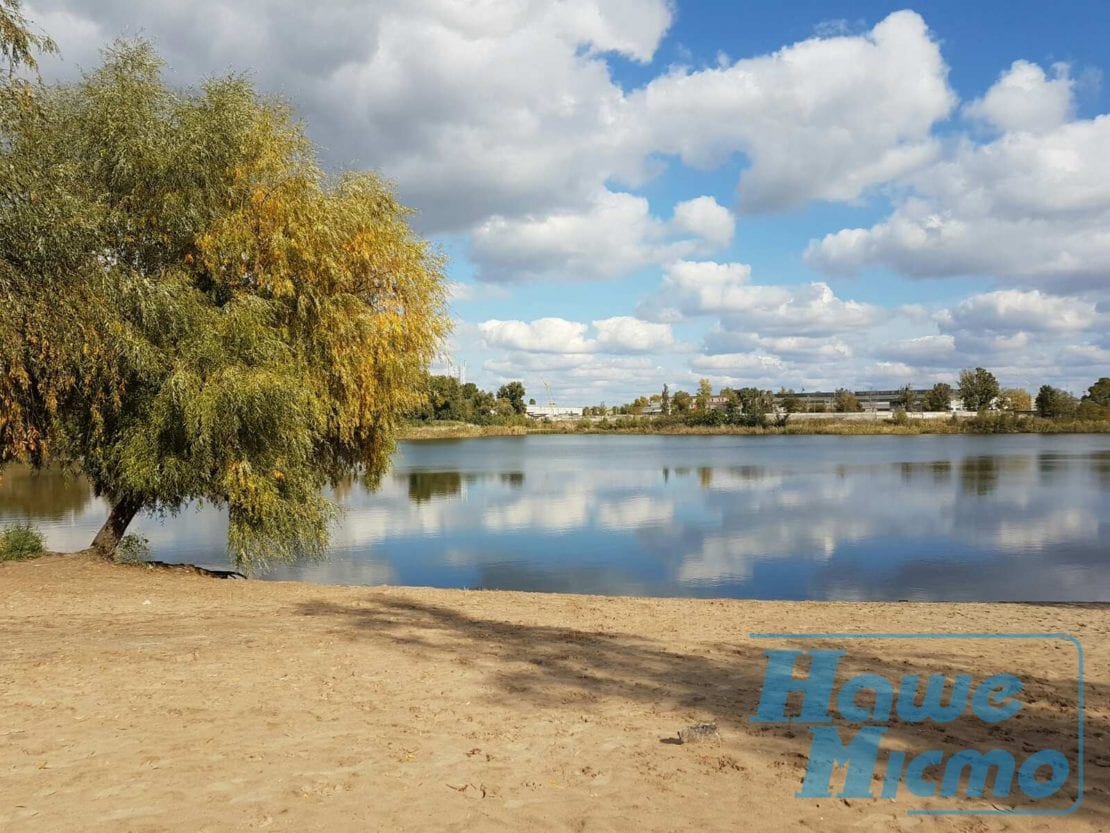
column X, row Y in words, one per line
column 193, row 568
column 699, row 733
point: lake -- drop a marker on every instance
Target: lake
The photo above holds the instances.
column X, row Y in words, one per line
column 1017, row 517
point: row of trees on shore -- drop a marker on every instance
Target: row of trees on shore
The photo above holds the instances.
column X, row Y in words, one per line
column 977, row 389
column 445, row 398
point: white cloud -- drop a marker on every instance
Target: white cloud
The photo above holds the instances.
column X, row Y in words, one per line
column 510, row 110
column 822, row 119
column 1086, row 357
column 1024, row 98
column 808, row 309
column 625, row 334
column 732, row 364
column 704, row 217
column 697, row 288
column 793, row 348
column 544, row 335
column 472, row 109
column 1022, row 335
column 1012, row 310
column 994, row 345
column 923, row 350
column 517, row 362
column 1028, row 207
column 620, row 334
column 458, row 291
column 614, row 235
column 694, row 288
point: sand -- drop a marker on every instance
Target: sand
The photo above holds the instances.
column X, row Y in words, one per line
column 135, row 699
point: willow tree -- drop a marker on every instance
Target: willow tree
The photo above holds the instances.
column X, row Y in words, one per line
column 191, row 310
column 18, row 42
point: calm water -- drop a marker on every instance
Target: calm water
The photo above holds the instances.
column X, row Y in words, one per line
column 1008, row 517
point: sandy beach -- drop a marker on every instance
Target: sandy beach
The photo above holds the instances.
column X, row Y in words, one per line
column 136, row 699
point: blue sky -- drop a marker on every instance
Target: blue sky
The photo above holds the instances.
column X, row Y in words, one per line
column 632, row 192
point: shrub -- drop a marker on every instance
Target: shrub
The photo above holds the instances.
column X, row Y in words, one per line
column 1091, row 411
column 995, row 422
column 132, row 549
column 706, row 418
column 20, row 541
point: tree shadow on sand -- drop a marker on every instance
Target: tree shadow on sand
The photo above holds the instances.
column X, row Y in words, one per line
column 559, row 667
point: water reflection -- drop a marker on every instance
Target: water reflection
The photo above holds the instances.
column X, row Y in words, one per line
column 937, row 471
column 425, row 485
column 53, row 494
column 1100, row 468
column 705, row 476
column 979, row 475
column 790, row 517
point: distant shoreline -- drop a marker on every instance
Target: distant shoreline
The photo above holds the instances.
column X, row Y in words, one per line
column 878, row 427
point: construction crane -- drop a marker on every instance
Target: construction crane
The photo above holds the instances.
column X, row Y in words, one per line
column 550, row 399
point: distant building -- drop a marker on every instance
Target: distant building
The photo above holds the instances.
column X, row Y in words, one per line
column 870, row 400
column 556, row 412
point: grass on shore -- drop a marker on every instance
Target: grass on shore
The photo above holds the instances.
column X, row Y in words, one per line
column 458, row 430
column 987, row 424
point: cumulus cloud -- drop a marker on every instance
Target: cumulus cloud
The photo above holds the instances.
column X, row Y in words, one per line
column 704, row 217
column 624, row 334
column 1088, row 357
column 583, row 363
column 509, row 109
column 737, row 363
column 1024, row 98
column 826, row 118
column 1011, row 310
column 544, row 335
column 621, row 334
column 923, row 350
column 794, row 348
column 614, row 235
column 1007, row 330
column 697, row 288
column 1029, row 207
column 472, row 109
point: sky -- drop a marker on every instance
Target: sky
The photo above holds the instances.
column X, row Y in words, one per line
column 811, row 194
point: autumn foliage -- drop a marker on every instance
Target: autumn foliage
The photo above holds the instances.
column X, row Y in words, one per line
column 191, row 309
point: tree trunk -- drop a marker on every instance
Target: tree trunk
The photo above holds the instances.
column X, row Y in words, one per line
column 109, row 536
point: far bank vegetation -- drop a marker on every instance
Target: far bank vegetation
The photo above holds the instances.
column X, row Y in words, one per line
column 976, row 404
